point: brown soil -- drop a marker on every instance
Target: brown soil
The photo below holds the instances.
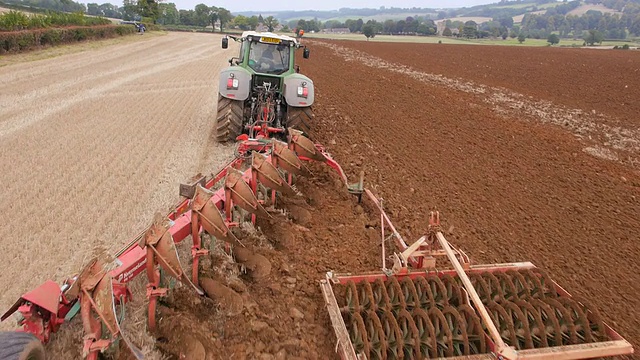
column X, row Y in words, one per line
column 607, row 81
column 509, row 190
column 284, row 313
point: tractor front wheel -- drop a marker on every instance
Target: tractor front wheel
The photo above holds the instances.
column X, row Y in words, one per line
column 229, row 119
column 300, row 118
column 20, row 346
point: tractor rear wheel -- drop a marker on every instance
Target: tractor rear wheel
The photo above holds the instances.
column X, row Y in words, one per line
column 229, row 119
column 20, row 346
column 299, row 118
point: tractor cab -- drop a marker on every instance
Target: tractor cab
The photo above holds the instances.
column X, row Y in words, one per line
column 266, row 53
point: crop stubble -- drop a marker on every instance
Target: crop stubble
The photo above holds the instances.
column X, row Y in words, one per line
column 93, row 144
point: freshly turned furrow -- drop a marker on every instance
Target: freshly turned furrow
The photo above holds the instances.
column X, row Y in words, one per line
column 427, row 316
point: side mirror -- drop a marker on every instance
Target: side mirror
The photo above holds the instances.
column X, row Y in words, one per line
column 225, row 42
column 305, row 53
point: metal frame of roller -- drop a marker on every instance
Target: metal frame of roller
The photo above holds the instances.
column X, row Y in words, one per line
column 517, row 313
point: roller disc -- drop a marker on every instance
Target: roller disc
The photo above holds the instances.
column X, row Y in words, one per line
column 365, row 296
column 444, row 337
column 410, row 294
column 396, row 297
column 458, row 327
column 410, row 335
column 393, row 335
column 475, row 332
column 426, row 332
column 380, row 296
column 375, row 334
column 358, row 334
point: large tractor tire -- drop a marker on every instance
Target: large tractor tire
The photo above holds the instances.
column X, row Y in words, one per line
column 300, row 118
column 20, row 346
column 229, row 119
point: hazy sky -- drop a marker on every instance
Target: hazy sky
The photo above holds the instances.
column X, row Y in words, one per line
column 248, row 5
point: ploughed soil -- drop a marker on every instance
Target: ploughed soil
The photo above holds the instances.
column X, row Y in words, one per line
column 278, row 313
column 508, row 188
column 605, row 81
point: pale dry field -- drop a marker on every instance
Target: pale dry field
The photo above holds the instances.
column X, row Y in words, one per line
column 93, row 143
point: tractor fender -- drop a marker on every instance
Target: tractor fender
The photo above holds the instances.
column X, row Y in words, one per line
column 291, row 84
column 244, row 83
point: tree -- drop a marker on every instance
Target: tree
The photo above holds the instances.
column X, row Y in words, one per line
column 423, row 29
column 470, row 29
column 202, row 15
column 368, row 31
column 149, row 8
column 242, row 22
column 253, row 22
column 271, row 22
column 168, row 14
column 93, row 9
column 214, row 15
column 224, row 16
column 553, row 39
column 521, row 38
column 446, row 32
column 593, row 37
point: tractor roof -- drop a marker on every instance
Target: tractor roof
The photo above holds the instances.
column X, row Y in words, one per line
column 269, row 34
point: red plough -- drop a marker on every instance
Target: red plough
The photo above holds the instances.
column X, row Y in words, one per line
column 263, row 168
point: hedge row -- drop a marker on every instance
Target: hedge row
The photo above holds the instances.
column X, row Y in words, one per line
column 18, row 41
column 16, row 20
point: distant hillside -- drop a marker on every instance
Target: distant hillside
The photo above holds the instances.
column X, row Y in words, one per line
column 343, row 14
column 515, row 9
column 499, row 9
column 579, row 11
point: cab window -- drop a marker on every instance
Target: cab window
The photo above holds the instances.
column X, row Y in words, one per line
column 269, row 58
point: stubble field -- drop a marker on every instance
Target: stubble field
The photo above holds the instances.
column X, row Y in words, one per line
column 93, row 144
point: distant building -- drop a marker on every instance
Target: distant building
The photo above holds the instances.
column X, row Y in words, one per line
column 336, row 31
column 264, row 28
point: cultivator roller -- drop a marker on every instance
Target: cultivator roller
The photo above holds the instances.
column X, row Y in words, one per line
column 422, row 308
column 248, row 184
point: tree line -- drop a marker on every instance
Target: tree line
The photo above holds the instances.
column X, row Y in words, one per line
column 163, row 13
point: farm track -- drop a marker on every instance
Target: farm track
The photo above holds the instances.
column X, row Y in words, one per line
column 94, row 143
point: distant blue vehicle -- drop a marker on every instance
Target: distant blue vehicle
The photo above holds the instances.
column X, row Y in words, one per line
column 139, row 26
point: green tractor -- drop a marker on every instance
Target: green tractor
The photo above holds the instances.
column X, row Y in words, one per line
column 262, row 94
